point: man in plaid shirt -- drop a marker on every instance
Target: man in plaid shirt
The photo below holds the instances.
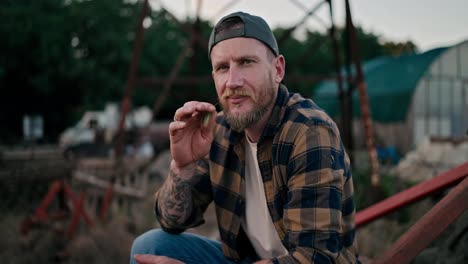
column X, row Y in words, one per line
column 272, row 162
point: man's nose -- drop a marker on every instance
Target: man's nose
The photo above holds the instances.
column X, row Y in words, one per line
column 235, row 78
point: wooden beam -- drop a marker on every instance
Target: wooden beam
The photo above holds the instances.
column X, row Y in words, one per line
column 103, row 184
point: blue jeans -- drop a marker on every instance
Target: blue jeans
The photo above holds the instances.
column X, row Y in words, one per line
column 186, row 247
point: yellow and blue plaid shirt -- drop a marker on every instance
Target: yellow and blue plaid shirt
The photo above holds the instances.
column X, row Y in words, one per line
column 307, row 179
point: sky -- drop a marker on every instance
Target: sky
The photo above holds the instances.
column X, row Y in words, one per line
column 427, row 23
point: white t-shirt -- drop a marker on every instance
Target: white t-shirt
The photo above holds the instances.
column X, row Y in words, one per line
column 257, row 222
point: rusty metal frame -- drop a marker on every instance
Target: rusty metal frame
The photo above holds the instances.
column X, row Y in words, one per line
column 199, row 39
column 412, row 195
column 363, row 100
column 429, row 227
column 339, row 78
column 436, row 220
column 106, row 201
column 42, row 217
column 169, row 81
column 131, row 78
column 286, row 34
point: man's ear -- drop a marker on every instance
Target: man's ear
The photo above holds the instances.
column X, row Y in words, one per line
column 280, row 67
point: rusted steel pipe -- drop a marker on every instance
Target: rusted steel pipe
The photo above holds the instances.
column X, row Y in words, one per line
column 169, row 81
column 429, row 227
column 339, row 79
column 413, row 194
column 287, row 33
column 106, row 202
column 131, row 78
column 363, row 101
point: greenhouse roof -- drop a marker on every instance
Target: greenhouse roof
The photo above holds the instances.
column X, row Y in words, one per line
column 391, row 82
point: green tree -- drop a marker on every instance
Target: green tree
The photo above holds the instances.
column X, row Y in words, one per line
column 59, row 58
column 399, row 48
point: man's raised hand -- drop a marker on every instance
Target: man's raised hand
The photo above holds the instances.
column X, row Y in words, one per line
column 191, row 133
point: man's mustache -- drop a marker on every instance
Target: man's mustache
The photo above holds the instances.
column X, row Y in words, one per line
column 232, row 92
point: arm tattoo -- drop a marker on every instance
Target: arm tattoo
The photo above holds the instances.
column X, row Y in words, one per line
column 176, row 200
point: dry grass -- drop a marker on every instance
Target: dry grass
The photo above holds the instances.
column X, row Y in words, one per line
column 102, row 244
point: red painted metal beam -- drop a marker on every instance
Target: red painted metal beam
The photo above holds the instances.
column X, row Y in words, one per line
column 202, row 42
column 429, row 227
column 78, row 210
column 287, row 33
column 78, row 205
column 413, row 194
column 131, row 78
column 172, row 76
column 41, row 213
column 366, row 115
column 106, row 201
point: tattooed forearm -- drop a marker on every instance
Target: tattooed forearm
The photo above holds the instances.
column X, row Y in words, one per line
column 175, row 202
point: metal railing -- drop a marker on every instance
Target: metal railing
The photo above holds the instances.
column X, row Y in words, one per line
column 447, row 210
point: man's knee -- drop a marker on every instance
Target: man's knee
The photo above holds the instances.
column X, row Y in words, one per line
column 155, row 241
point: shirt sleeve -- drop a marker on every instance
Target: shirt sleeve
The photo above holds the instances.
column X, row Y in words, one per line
column 318, row 171
column 201, row 197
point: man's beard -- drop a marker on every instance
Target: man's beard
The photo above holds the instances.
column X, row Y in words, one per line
column 241, row 121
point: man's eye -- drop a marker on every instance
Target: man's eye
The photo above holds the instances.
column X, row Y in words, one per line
column 222, row 68
column 247, row 62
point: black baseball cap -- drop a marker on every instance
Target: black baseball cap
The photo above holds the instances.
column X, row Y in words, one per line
column 254, row 27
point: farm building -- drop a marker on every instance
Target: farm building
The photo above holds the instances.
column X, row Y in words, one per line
column 411, row 97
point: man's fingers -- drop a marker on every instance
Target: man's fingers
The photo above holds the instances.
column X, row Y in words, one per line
column 176, row 126
column 152, row 259
column 205, row 107
column 186, row 111
column 146, row 259
column 191, row 109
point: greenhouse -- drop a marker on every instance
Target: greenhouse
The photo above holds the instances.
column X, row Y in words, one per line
column 440, row 102
column 412, row 97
